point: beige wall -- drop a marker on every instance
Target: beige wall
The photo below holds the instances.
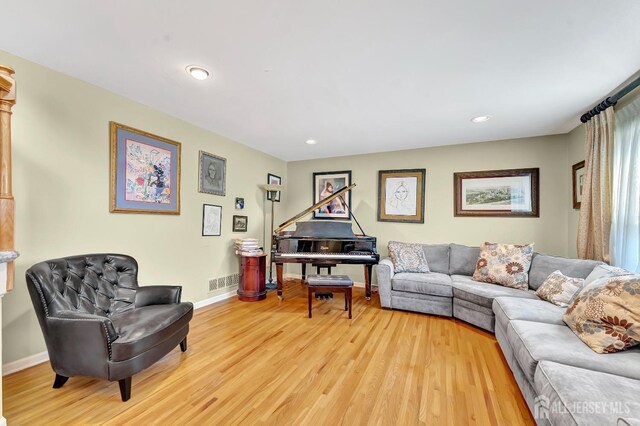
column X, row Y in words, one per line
column 548, row 232
column 61, row 186
column 576, row 154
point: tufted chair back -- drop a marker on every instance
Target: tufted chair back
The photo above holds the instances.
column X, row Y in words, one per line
column 96, row 284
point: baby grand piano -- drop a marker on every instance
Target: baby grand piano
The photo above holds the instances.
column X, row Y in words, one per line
column 323, row 243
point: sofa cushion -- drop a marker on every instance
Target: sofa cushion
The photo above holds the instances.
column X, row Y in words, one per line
column 542, row 265
column 516, row 308
column 575, row 396
column 505, row 264
column 535, row 341
column 432, row 283
column 559, row 289
column 408, row 257
column 437, row 257
column 143, row 328
column 464, row 287
column 606, row 314
column 462, row 259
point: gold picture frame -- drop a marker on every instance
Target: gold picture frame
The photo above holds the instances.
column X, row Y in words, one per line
column 401, row 195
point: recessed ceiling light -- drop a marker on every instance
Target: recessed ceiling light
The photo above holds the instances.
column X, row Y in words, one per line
column 197, row 72
column 481, row 119
column 310, row 142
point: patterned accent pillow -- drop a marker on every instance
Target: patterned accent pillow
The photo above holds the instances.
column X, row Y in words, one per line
column 606, row 314
column 408, row 257
column 504, row 264
column 559, row 289
column 602, row 271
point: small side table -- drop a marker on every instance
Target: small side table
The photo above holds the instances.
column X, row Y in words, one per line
column 335, row 283
column 251, row 283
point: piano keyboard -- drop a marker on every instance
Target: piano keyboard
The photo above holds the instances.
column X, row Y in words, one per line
column 354, row 255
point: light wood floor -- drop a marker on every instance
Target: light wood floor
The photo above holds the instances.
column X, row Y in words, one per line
column 266, row 362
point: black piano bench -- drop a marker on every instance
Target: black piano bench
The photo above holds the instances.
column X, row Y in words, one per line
column 335, row 283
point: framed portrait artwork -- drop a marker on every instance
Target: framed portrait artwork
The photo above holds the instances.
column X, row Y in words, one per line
column 240, row 223
column 213, row 172
column 239, row 203
column 144, row 172
column 275, row 180
column 324, row 185
column 401, row 195
column 497, row 193
column 211, row 220
column 579, row 175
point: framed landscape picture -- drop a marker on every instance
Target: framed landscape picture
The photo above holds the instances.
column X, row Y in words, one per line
column 401, row 195
column 578, row 173
column 144, row 172
column 212, row 171
column 497, row 193
column 211, row 220
column 275, row 180
column 240, row 223
column 326, row 184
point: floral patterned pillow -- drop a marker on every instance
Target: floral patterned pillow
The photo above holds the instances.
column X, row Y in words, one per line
column 606, row 314
column 559, row 289
column 504, row 264
column 408, row 257
column 605, row 271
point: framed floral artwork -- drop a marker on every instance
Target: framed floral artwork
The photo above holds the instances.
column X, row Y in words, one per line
column 144, row 172
column 326, row 184
column 401, row 195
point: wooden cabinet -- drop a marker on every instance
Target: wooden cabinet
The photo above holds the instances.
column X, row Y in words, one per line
column 251, row 285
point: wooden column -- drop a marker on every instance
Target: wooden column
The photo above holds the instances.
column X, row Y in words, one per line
column 7, row 209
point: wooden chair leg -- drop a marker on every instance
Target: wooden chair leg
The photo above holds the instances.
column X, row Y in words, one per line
column 350, row 302
column 309, row 294
column 59, row 381
column 125, row 388
column 345, row 301
column 183, row 344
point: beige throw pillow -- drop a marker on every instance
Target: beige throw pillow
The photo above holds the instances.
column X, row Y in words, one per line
column 407, row 257
column 559, row 289
column 606, row 314
column 504, row 264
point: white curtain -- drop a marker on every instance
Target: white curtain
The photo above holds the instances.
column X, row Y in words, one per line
column 625, row 215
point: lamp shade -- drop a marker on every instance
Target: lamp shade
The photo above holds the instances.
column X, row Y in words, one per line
column 272, row 187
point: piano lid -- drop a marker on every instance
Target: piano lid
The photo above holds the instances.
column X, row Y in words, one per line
column 324, row 229
column 312, row 208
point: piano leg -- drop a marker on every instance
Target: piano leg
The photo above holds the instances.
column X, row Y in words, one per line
column 304, row 271
column 279, row 279
column 367, row 281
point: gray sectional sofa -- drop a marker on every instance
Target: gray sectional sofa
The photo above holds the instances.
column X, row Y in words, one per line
column 563, row 381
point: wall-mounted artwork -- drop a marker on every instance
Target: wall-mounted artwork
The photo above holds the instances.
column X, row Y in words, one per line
column 497, row 193
column 326, row 184
column 578, row 172
column 401, row 195
column 211, row 220
column 240, row 223
column 239, row 203
column 212, row 171
column 144, row 172
column 274, row 180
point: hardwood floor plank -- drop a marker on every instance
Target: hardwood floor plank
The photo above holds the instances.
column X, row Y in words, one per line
column 267, row 363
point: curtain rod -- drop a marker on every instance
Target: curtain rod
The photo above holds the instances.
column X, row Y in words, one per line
column 610, row 101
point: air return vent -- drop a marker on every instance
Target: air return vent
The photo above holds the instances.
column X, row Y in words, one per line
column 225, row 282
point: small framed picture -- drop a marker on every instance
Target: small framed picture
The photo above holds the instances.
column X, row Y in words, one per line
column 239, row 203
column 401, row 195
column 276, row 180
column 212, row 171
column 211, row 220
column 578, row 173
column 240, row 223
column 326, row 184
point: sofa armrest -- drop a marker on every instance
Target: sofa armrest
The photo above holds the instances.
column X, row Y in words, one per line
column 384, row 273
column 157, row 295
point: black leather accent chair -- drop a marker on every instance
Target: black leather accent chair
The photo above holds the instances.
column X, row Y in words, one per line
column 97, row 322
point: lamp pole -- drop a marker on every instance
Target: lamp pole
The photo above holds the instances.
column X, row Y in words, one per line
column 271, row 191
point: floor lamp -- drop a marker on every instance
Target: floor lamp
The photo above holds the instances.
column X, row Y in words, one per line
column 271, row 191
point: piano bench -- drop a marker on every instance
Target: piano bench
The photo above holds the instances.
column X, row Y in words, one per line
column 335, row 283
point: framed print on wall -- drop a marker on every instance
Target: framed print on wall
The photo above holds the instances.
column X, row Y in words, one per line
column 326, row 184
column 240, row 223
column 401, row 195
column 578, row 172
column 275, row 180
column 144, row 172
column 497, row 193
column 211, row 220
column 213, row 172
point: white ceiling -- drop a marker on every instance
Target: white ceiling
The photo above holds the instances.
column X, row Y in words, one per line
column 356, row 75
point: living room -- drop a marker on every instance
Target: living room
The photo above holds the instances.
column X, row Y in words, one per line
column 314, row 77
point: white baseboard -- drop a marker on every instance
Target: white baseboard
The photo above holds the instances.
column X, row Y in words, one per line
column 30, row 361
